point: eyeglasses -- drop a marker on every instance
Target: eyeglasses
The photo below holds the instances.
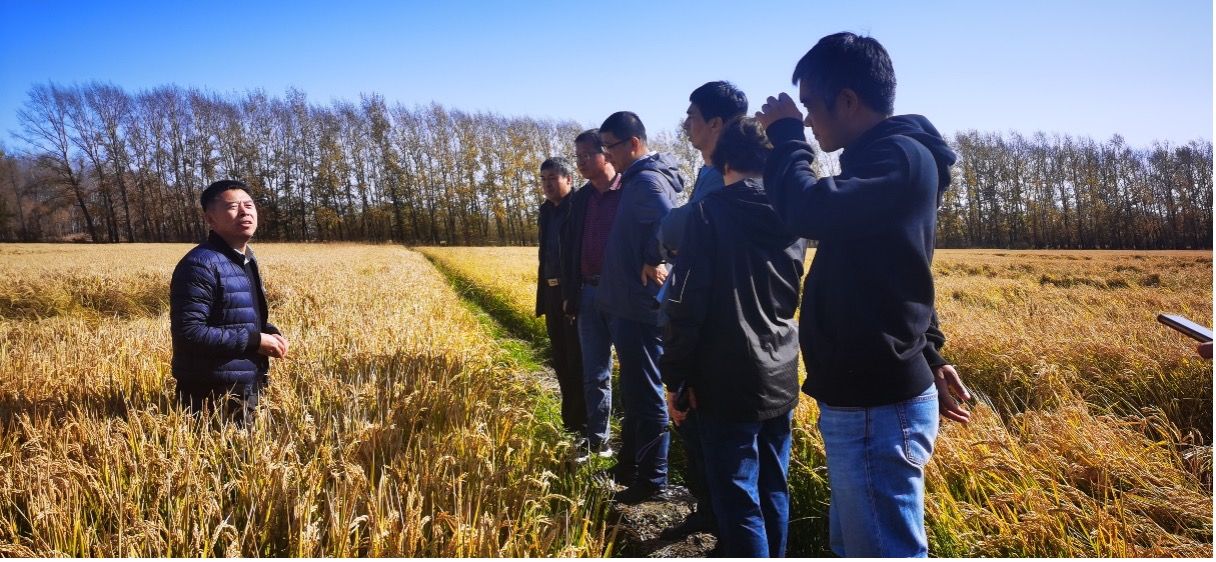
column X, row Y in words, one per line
column 615, row 144
column 586, row 155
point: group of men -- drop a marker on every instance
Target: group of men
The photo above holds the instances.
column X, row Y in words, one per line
column 699, row 303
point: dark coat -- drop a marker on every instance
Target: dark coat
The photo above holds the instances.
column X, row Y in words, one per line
column 731, row 334
column 572, row 257
column 868, row 328
column 554, row 216
column 648, row 192
column 215, row 323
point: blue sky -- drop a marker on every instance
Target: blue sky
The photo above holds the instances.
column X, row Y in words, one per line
column 1084, row 67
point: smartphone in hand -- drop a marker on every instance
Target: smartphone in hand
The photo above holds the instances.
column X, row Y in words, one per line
column 1190, row 329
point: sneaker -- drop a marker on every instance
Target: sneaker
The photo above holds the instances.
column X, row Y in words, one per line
column 605, row 452
column 638, row 493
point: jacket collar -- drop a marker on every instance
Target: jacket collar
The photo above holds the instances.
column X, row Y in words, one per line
column 236, row 257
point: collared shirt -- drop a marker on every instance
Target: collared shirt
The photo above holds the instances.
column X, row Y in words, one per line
column 601, row 210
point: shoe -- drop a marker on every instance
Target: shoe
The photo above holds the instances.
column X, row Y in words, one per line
column 638, row 493
column 696, row 522
column 605, row 452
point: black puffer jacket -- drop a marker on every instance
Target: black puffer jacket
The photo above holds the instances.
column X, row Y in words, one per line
column 731, row 334
column 214, row 318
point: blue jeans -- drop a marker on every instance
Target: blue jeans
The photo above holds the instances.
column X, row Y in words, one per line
column 746, row 465
column 876, row 469
column 644, row 435
column 596, row 342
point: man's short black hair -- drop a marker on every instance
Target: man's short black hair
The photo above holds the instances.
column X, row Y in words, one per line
column 590, row 137
column 215, row 189
column 719, row 99
column 561, row 165
column 743, row 146
column 624, row 125
column 845, row 60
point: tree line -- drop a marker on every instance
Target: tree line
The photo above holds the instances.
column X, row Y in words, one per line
column 98, row 163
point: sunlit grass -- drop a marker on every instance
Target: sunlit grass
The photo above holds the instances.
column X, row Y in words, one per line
column 1092, row 436
column 397, row 427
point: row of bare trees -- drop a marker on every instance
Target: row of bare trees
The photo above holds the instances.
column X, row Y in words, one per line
column 98, row 163
column 1063, row 192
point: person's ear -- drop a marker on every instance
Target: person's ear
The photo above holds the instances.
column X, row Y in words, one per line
column 635, row 144
column 847, row 102
column 715, row 124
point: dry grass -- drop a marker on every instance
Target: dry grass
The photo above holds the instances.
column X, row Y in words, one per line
column 1093, row 434
column 396, row 428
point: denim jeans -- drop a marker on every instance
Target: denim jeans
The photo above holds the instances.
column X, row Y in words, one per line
column 595, row 339
column 746, row 467
column 876, row 469
column 644, row 435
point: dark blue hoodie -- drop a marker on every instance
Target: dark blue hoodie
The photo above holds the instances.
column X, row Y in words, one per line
column 648, row 192
column 868, row 329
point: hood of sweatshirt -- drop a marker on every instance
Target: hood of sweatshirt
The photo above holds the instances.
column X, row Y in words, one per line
column 918, row 128
column 750, row 212
column 662, row 163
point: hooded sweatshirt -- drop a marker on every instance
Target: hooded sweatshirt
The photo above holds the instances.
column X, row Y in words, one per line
column 648, row 192
column 731, row 334
column 868, row 328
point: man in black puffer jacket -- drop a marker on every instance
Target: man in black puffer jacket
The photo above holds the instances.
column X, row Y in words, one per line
column 222, row 339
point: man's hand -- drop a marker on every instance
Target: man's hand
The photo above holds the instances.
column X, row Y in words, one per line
column 778, row 108
column 273, row 345
column 950, row 391
column 677, row 416
column 656, row 273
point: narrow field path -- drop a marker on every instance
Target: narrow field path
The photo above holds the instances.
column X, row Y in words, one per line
column 524, row 341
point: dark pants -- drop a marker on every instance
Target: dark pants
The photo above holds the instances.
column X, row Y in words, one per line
column 690, row 433
column 566, row 358
column 644, row 436
column 236, row 403
column 746, row 466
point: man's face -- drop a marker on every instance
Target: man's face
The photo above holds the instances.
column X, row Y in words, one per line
column 555, row 185
column 590, row 160
column 826, row 124
column 618, row 151
column 233, row 215
column 700, row 133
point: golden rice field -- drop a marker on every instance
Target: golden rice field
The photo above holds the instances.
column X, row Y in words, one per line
column 1093, row 432
column 397, row 426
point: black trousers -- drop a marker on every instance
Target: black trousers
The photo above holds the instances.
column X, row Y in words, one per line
column 235, row 403
column 566, row 358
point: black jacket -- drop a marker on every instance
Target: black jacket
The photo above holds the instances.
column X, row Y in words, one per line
column 217, row 315
column 869, row 330
column 572, row 249
column 731, row 334
column 554, row 217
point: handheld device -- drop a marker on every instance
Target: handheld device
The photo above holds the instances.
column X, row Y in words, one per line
column 1191, row 329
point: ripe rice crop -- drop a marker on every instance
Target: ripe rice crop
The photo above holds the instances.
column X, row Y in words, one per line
column 397, row 427
column 1092, row 434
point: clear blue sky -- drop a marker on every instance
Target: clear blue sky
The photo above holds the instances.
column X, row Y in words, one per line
column 1085, row 67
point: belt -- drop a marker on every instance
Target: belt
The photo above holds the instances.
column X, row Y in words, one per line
column 593, row 280
column 553, row 282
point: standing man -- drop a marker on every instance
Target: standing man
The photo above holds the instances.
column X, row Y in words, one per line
column 868, row 328
column 222, row 339
column 710, row 107
column 555, row 176
column 633, row 272
column 731, row 345
column 593, row 208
